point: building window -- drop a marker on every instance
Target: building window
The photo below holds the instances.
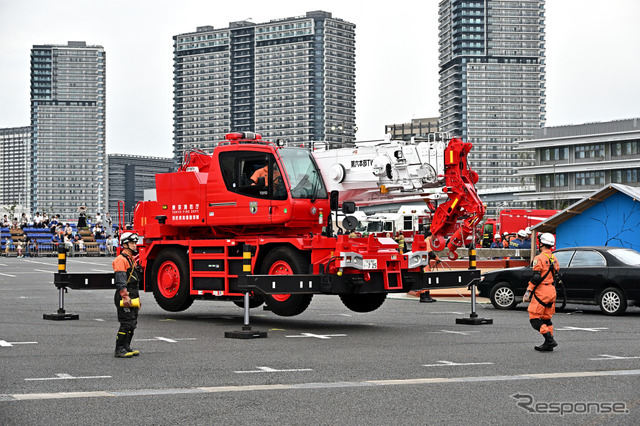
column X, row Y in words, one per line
column 548, row 181
column 625, row 176
column 619, row 149
column 554, row 154
column 590, row 151
column 590, row 179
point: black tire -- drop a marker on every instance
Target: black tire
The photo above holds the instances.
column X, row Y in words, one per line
column 612, row 301
column 286, row 261
column 367, row 302
column 170, row 280
column 502, row 296
column 254, row 301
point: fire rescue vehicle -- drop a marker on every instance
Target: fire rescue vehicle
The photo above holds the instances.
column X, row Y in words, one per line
column 255, row 217
column 513, row 220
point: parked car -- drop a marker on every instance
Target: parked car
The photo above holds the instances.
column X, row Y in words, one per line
column 604, row 276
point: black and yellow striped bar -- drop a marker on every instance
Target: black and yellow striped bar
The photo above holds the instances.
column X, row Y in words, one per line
column 246, row 260
column 62, row 258
column 472, row 258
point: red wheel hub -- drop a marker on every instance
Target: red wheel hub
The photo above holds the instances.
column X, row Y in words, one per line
column 168, row 279
column 280, row 268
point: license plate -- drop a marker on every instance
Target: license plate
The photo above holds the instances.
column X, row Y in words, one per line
column 369, row 263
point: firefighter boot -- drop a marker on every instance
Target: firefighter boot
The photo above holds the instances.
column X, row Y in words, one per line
column 549, row 343
column 127, row 343
column 120, row 351
column 425, row 297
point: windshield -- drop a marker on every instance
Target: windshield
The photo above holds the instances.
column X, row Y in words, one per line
column 630, row 257
column 303, row 174
column 374, row 227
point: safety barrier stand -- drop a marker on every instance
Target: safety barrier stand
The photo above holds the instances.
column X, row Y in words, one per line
column 246, row 332
column 473, row 318
column 60, row 282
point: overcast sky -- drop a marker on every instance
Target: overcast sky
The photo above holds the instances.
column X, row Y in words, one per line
column 593, row 58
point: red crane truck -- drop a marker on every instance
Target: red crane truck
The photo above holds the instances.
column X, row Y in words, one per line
column 253, row 221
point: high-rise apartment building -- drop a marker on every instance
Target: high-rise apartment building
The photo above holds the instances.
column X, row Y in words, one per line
column 492, row 84
column 290, row 79
column 68, row 147
column 417, row 127
column 14, row 167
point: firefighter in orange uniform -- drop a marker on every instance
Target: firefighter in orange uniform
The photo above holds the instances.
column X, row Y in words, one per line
column 127, row 276
column 542, row 293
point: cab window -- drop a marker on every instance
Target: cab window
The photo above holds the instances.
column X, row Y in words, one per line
column 253, row 174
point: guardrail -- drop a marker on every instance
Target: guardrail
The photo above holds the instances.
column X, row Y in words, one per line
column 46, row 249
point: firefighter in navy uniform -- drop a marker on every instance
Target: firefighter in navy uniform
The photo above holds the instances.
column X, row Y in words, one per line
column 542, row 292
column 127, row 276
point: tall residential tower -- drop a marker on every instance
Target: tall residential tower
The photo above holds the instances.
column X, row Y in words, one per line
column 492, row 85
column 14, row 168
column 68, row 147
column 290, row 79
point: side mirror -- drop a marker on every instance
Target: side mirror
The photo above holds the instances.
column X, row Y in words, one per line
column 333, row 200
column 348, row 207
column 261, row 182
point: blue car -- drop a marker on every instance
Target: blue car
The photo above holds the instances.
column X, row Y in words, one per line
column 605, row 276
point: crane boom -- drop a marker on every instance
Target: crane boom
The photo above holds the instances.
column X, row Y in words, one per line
column 391, row 171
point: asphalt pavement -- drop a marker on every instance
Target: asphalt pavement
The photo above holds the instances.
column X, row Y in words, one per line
column 406, row 363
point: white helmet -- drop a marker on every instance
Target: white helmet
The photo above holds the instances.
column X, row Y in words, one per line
column 547, row 239
column 522, row 233
column 127, row 237
column 496, row 237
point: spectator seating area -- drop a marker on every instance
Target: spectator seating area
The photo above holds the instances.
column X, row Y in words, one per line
column 40, row 243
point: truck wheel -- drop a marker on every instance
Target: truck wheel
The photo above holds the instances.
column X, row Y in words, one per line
column 170, row 277
column 502, row 296
column 367, row 302
column 286, row 261
column 612, row 301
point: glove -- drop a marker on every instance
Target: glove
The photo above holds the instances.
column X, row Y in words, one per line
column 527, row 296
column 126, row 301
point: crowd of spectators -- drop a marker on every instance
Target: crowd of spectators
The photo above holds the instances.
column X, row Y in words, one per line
column 61, row 232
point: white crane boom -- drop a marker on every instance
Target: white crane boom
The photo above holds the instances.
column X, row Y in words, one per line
column 385, row 171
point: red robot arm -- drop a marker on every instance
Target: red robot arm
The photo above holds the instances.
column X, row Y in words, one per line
column 463, row 210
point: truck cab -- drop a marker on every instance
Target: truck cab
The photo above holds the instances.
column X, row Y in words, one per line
column 246, row 186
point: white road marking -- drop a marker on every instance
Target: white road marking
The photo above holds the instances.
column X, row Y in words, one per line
column 455, row 364
column 75, row 260
column 99, row 319
column 8, row 275
column 319, row 336
column 46, row 272
column 325, row 385
column 166, row 339
column 612, row 357
column 6, row 344
column 464, row 333
column 273, row 370
column 594, row 329
column 335, row 315
column 52, row 264
column 65, row 376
